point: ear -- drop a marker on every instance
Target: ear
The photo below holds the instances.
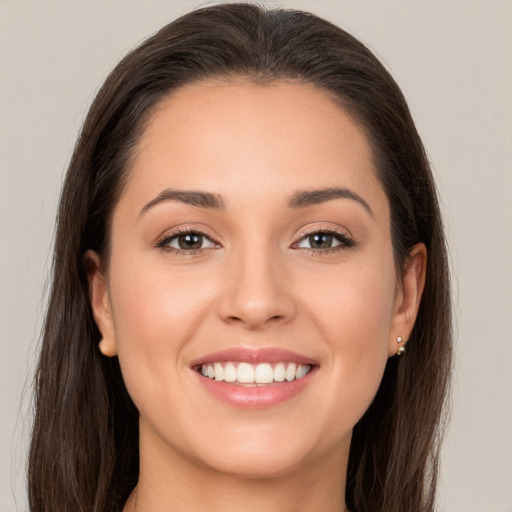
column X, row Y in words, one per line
column 100, row 303
column 408, row 297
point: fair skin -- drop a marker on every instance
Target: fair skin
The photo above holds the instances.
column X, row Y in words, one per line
column 251, row 275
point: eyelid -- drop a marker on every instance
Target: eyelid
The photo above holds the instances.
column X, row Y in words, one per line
column 342, row 235
column 169, row 234
column 335, row 230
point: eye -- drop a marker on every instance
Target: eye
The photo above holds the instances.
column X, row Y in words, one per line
column 324, row 241
column 187, row 241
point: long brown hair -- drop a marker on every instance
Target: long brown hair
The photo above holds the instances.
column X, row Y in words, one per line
column 84, row 450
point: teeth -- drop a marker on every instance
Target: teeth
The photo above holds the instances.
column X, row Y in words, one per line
column 219, row 371
column 230, row 373
column 301, row 371
column 246, row 373
column 263, row 374
column 291, row 372
column 279, row 372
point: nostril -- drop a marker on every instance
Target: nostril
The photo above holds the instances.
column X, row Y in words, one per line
column 253, row 321
column 254, row 305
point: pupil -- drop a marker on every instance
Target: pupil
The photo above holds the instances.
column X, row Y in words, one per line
column 190, row 241
column 320, row 241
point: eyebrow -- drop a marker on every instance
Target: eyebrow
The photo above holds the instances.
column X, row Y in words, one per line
column 191, row 197
column 300, row 199
column 304, row 198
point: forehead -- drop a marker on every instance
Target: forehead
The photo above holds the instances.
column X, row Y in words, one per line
column 234, row 138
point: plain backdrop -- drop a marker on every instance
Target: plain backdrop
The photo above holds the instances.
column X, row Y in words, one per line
column 453, row 60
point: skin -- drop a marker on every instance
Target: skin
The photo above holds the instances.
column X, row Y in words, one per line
column 258, row 283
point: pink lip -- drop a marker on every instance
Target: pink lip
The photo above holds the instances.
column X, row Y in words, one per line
column 255, row 397
column 254, row 356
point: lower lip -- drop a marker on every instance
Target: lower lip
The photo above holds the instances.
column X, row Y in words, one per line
column 255, row 397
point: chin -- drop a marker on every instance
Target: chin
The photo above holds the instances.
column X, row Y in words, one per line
column 258, row 465
column 261, row 456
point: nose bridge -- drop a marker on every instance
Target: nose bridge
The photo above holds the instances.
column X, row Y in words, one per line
column 256, row 290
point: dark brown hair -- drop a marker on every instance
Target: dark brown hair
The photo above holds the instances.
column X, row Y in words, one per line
column 84, row 450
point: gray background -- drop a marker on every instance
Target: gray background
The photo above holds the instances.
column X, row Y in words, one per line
column 453, row 60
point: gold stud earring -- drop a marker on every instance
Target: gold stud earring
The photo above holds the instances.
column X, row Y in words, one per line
column 102, row 345
column 400, row 350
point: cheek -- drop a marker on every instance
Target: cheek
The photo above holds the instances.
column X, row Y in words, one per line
column 353, row 303
column 353, row 315
column 156, row 314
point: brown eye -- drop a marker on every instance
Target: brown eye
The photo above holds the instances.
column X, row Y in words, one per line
column 324, row 241
column 187, row 242
column 320, row 241
column 190, row 241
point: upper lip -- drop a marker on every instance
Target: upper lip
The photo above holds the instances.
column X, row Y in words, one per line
column 254, row 356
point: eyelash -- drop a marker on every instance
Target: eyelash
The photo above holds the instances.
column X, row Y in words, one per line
column 345, row 242
column 163, row 244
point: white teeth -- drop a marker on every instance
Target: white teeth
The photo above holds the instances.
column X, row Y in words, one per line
column 291, row 370
column 219, row 371
column 230, row 373
column 301, row 371
column 247, row 373
column 263, row 374
column 279, row 372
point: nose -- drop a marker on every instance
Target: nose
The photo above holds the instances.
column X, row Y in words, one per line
column 256, row 291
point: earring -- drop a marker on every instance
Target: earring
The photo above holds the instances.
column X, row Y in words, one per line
column 102, row 345
column 400, row 350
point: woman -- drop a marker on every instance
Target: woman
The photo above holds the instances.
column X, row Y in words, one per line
column 248, row 238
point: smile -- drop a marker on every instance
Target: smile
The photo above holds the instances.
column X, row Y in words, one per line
column 247, row 374
column 249, row 378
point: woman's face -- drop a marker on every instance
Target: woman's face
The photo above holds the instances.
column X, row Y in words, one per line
column 252, row 241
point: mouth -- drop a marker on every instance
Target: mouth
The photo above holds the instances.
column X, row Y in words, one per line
column 255, row 378
column 249, row 375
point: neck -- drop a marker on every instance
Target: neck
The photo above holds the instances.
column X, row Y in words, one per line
column 172, row 482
